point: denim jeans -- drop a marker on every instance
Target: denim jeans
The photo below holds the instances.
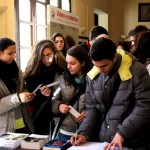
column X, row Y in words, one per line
column 64, row 137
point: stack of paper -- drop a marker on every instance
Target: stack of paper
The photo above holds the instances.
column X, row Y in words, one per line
column 12, row 140
column 93, row 146
column 34, row 141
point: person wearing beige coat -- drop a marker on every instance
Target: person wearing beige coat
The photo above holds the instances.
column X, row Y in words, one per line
column 13, row 114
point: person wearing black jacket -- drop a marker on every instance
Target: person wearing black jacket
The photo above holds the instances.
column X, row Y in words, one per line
column 94, row 32
column 118, row 112
column 44, row 65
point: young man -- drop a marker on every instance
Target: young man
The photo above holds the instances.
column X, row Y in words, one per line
column 95, row 31
column 118, row 96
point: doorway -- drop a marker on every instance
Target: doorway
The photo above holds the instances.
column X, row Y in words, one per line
column 101, row 18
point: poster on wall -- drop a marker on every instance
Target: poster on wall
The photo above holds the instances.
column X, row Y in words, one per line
column 62, row 21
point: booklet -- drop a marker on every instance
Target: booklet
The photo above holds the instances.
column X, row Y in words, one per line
column 57, row 144
column 34, row 141
column 48, row 85
column 12, row 140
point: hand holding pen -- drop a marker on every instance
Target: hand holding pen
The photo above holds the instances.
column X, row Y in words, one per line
column 78, row 139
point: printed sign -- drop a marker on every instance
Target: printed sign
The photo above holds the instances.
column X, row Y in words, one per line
column 63, row 17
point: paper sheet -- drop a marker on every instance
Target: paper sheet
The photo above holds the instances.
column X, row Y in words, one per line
column 93, row 146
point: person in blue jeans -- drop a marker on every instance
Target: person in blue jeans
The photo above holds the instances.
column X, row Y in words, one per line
column 72, row 81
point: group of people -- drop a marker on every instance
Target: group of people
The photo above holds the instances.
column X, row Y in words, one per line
column 109, row 88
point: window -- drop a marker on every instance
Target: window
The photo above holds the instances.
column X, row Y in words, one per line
column 31, row 25
column 63, row 4
column 54, row 3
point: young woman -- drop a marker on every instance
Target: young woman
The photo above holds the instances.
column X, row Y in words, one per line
column 142, row 49
column 12, row 119
column 43, row 67
column 70, row 83
column 60, row 43
column 69, row 41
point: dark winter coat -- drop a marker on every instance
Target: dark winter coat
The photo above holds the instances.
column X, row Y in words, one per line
column 64, row 95
column 128, row 113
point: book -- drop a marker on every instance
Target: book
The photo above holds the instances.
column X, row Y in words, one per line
column 57, row 144
column 12, row 140
column 74, row 112
column 34, row 141
column 93, row 146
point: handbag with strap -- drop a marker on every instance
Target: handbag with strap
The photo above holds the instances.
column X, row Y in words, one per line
column 41, row 108
column 62, row 117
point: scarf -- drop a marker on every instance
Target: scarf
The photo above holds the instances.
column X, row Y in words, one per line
column 79, row 80
column 47, row 73
column 9, row 75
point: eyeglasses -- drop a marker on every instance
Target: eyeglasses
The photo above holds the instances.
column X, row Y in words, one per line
column 47, row 56
column 61, row 41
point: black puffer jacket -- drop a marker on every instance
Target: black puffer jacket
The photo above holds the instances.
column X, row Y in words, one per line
column 128, row 113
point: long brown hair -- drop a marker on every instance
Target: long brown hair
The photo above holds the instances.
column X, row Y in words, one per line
column 81, row 55
column 34, row 63
column 142, row 49
column 53, row 37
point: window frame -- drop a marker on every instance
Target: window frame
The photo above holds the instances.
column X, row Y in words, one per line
column 32, row 23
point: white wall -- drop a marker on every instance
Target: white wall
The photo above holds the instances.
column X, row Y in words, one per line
column 103, row 20
column 124, row 16
column 85, row 10
column 7, row 20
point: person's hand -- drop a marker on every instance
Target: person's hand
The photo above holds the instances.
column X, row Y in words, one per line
column 78, row 139
column 45, row 91
column 26, row 97
column 116, row 142
column 63, row 108
column 79, row 119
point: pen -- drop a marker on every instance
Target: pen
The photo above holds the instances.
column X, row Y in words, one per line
column 76, row 136
column 67, row 143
